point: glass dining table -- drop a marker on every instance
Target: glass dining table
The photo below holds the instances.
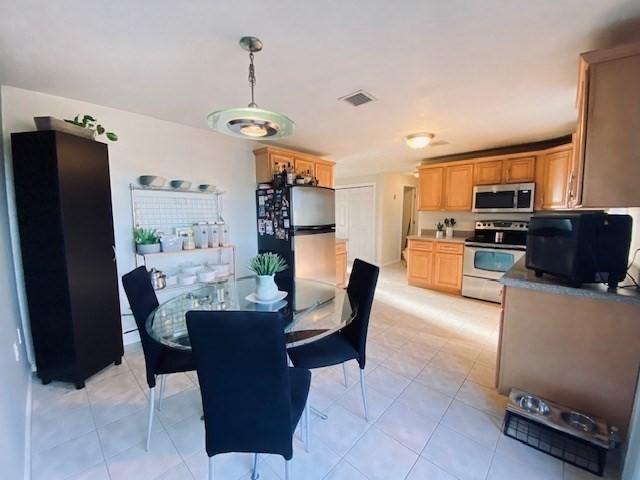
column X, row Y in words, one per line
column 312, row 310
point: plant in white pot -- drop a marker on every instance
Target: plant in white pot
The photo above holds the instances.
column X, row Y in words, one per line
column 265, row 266
column 449, row 223
column 147, row 241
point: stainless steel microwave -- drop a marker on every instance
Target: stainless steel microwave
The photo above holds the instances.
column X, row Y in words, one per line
column 516, row 197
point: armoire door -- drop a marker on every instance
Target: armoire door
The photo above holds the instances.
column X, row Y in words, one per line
column 85, row 196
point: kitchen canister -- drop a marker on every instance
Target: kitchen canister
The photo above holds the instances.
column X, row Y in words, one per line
column 201, row 234
column 214, row 234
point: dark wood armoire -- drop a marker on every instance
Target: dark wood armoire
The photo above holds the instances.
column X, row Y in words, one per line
column 63, row 199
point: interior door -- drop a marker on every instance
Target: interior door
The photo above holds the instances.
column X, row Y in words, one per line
column 355, row 221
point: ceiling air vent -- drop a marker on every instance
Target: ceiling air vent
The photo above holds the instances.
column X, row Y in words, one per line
column 358, row 98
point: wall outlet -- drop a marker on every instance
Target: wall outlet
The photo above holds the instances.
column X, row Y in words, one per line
column 16, row 352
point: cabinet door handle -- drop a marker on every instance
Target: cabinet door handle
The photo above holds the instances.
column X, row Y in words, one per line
column 571, row 185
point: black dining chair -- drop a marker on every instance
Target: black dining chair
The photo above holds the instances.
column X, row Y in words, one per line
column 252, row 399
column 350, row 342
column 159, row 360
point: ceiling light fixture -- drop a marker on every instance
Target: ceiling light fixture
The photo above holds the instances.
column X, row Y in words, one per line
column 418, row 140
column 251, row 122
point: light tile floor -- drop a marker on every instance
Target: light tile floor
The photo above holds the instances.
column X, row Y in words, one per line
column 434, row 412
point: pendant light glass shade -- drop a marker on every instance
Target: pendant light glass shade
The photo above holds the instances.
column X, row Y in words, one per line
column 251, row 122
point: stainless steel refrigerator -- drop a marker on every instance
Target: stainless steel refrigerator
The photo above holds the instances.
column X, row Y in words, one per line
column 298, row 223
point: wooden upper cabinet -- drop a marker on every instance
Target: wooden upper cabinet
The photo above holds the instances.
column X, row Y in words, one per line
column 555, row 186
column 430, row 185
column 459, row 187
column 447, row 272
column 304, row 165
column 488, row 172
column 268, row 157
column 519, row 169
column 324, row 174
column 606, row 168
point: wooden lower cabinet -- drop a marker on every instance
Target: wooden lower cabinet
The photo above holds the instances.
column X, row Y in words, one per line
column 419, row 267
column 447, row 272
column 435, row 265
column 341, row 263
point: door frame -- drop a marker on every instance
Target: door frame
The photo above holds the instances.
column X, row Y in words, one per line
column 414, row 211
column 374, row 213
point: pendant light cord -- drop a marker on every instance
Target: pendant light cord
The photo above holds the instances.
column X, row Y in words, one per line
column 252, row 79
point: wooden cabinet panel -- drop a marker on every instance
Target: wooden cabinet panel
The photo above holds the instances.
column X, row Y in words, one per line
column 488, row 172
column 425, row 245
column 447, row 272
column 556, row 180
column 419, row 267
column 459, row 187
column 324, row 174
column 303, row 165
column 519, row 170
column 450, row 247
column 430, row 185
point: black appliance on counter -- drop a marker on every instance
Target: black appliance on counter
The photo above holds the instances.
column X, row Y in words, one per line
column 580, row 247
column 298, row 223
column 63, row 198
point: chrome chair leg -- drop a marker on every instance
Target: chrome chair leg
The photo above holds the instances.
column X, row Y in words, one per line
column 211, row 467
column 287, row 470
column 317, row 412
column 254, row 474
column 364, row 395
column 307, row 427
column 344, row 373
column 163, row 379
column 152, row 406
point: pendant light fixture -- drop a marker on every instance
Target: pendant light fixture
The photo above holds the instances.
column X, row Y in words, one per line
column 251, row 122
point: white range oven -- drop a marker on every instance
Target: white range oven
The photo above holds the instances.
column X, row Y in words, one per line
column 495, row 247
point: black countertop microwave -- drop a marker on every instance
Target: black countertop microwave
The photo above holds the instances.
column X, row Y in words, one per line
column 580, row 247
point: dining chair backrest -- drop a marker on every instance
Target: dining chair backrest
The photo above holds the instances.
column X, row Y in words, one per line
column 244, row 379
column 142, row 300
column 361, row 289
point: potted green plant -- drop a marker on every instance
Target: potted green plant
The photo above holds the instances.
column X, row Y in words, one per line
column 439, row 230
column 449, row 223
column 265, row 266
column 91, row 123
column 147, row 240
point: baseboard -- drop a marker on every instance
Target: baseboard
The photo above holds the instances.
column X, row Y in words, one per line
column 391, row 262
column 27, row 432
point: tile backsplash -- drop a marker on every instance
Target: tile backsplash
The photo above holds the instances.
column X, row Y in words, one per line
column 465, row 220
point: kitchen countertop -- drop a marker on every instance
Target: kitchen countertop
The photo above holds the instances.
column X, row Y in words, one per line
column 458, row 236
column 521, row 277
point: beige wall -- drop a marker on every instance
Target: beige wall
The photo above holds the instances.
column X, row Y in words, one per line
column 146, row 146
column 14, row 374
column 389, row 195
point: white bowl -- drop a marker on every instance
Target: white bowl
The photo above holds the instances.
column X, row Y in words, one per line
column 151, row 181
column 220, row 269
column 206, row 276
column 188, row 279
column 191, row 269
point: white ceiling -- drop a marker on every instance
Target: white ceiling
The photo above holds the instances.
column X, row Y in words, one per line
column 477, row 73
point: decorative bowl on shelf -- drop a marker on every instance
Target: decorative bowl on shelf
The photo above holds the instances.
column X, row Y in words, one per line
column 151, row 181
column 180, row 184
column 207, row 188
